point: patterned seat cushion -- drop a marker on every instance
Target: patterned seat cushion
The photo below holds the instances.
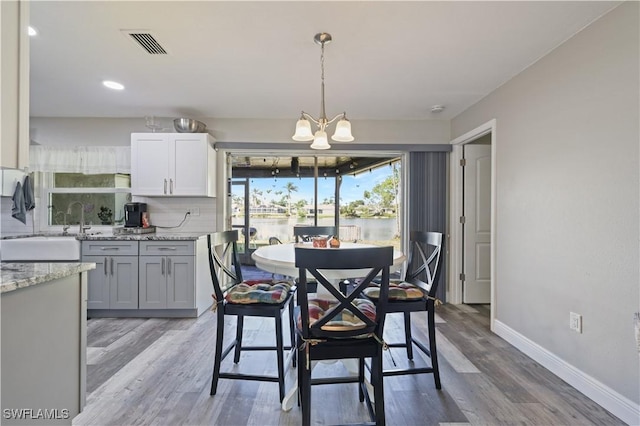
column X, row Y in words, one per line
column 258, row 291
column 345, row 320
column 398, row 290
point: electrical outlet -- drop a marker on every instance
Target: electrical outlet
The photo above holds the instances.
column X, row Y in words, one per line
column 575, row 322
column 194, row 211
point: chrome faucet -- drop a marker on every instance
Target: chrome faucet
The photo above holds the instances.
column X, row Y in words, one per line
column 82, row 228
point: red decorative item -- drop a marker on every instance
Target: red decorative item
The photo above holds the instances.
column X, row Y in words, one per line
column 320, row 242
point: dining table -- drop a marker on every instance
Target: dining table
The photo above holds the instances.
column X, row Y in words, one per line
column 280, row 259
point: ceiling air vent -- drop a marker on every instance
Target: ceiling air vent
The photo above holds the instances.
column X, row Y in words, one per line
column 147, row 41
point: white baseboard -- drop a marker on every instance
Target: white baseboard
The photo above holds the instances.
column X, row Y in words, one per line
column 620, row 406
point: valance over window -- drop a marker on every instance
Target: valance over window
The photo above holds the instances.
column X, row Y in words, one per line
column 89, row 160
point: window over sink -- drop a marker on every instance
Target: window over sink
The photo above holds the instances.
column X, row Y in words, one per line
column 102, row 197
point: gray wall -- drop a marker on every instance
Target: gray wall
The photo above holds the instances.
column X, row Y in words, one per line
column 168, row 212
column 568, row 198
column 117, row 131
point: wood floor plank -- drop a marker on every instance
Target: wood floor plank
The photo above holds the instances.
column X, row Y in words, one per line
column 121, row 351
column 158, row 372
column 102, row 332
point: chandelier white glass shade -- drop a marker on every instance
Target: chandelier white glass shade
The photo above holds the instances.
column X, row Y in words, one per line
column 303, row 126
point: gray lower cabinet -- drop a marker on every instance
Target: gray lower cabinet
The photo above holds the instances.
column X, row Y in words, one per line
column 167, row 275
column 114, row 282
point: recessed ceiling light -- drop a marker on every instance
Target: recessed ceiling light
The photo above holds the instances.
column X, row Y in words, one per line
column 32, row 31
column 113, row 85
column 437, row 108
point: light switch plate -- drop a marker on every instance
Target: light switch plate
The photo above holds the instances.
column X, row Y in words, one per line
column 575, row 322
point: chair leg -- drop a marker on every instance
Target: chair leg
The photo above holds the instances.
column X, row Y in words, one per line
column 300, row 371
column 361, row 379
column 280, row 354
column 378, row 388
column 432, row 346
column 238, row 348
column 407, row 334
column 292, row 331
column 218, row 353
column 304, row 384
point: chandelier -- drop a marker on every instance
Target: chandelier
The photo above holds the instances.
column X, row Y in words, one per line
column 303, row 126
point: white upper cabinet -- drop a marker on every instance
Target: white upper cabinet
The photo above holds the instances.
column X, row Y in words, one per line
column 173, row 165
column 14, row 84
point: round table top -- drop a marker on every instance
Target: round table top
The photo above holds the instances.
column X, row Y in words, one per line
column 280, row 259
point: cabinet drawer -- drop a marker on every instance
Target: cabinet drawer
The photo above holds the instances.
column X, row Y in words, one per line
column 167, row 248
column 110, row 248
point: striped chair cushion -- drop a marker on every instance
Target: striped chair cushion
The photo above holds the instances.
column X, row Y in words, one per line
column 345, row 320
column 257, row 291
column 398, row 290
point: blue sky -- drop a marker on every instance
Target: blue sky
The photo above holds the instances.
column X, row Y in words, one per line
column 351, row 189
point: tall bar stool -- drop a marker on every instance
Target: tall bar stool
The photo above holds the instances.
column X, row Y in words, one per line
column 260, row 298
column 416, row 293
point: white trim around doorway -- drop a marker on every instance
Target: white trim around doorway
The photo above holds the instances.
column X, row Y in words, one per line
column 455, row 240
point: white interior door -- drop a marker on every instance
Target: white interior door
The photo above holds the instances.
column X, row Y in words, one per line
column 476, row 263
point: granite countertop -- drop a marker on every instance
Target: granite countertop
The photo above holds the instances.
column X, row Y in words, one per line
column 155, row 236
column 39, row 234
column 14, row 276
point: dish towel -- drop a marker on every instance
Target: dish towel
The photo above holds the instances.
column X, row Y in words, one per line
column 19, row 210
column 27, row 190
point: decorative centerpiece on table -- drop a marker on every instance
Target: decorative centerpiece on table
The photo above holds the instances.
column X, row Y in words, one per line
column 105, row 214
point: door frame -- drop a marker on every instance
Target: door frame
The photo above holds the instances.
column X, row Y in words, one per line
column 244, row 235
column 455, row 240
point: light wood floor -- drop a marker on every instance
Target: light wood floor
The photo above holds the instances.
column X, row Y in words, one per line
column 158, row 372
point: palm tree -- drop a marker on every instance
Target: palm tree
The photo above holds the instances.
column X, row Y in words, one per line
column 290, row 187
column 257, row 196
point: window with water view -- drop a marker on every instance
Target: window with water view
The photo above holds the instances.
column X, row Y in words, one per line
column 271, row 195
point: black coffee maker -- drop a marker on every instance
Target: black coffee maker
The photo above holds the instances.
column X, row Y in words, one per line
column 133, row 214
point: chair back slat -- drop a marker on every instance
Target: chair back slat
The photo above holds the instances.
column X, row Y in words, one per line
column 304, row 233
column 224, row 263
column 372, row 260
column 424, row 261
column 274, row 240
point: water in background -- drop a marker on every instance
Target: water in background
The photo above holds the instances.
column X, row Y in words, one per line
column 383, row 229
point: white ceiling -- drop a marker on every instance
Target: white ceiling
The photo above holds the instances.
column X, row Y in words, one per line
column 235, row 59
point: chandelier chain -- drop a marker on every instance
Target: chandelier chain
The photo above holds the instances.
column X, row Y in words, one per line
column 322, row 63
column 323, row 114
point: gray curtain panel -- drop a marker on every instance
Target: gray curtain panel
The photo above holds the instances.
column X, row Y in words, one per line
column 428, row 200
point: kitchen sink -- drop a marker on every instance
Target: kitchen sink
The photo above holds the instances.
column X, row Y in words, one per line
column 40, row 248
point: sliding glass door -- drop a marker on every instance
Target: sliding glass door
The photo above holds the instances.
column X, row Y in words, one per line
column 360, row 195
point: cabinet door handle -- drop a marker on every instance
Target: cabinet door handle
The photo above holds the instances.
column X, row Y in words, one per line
column 167, row 248
column 112, row 266
column 170, row 186
column 105, row 266
column 165, row 186
column 168, row 266
column 109, row 248
column 162, row 266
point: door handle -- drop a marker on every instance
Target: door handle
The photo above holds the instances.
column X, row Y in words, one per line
column 162, row 269
column 165, row 186
column 170, row 186
column 112, row 266
column 168, row 266
column 105, row 266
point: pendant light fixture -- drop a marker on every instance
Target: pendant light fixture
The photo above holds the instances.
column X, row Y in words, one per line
column 303, row 126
